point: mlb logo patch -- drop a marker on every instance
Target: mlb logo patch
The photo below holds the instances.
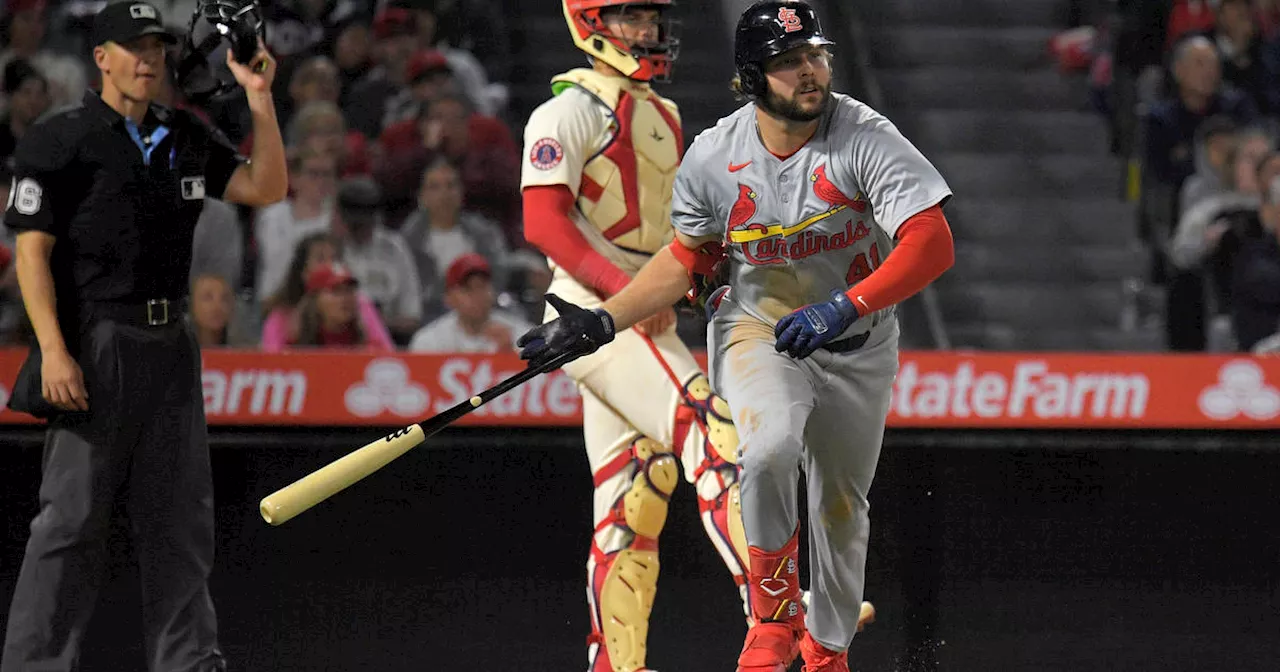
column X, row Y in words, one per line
column 193, row 188
column 142, row 12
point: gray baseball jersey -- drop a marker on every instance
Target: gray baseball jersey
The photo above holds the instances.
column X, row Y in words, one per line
column 797, row 228
column 819, row 220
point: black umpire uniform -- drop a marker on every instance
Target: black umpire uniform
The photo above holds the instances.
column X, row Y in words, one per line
column 121, row 201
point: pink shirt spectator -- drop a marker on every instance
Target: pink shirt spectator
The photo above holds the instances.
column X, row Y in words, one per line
column 276, row 328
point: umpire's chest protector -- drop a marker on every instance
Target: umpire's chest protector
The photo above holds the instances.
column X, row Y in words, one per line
column 626, row 186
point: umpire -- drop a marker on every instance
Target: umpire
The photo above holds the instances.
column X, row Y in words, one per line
column 105, row 200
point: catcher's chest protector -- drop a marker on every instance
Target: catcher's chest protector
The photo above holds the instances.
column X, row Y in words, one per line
column 626, row 188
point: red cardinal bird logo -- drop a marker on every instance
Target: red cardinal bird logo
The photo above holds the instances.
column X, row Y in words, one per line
column 744, row 208
column 824, row 189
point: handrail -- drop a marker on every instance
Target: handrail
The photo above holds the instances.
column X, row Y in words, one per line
column 842, row 14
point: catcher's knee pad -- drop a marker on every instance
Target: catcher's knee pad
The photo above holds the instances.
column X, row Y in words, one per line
column 715, row 419
column 624, row 580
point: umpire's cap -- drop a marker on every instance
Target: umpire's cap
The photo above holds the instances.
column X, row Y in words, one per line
column 121, row 22
column 769, row 28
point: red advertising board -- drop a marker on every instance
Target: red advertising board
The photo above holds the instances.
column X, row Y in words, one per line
column 933, row 390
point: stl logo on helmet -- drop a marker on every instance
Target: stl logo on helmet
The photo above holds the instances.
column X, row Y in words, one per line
column 789, row 20
column 546, row 154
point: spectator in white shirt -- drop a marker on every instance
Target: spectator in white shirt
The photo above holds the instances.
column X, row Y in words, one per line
column 378, row 257
column 440, row 231
column 313, row 178
column 473, row 324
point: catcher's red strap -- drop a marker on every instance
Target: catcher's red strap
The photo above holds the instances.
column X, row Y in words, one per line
column 700, row 261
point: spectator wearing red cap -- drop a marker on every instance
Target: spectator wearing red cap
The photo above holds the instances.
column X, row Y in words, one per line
column 489, row 98
column 283, row 324
column 395, row 40
column 472, row 323
column 328, row 315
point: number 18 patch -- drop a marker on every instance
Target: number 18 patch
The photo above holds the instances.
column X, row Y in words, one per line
column 546, row 154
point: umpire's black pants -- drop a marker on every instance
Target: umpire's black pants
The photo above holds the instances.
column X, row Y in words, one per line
column 144, row 440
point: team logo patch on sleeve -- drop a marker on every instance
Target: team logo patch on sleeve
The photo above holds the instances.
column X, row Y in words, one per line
column 546, row 154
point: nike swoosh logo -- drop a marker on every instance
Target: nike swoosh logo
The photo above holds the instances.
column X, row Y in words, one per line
column 735, row 168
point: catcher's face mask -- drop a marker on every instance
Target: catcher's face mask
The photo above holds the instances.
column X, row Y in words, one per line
column 216, row 26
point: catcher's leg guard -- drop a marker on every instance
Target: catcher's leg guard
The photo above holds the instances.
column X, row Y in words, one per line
column 706, row 418
column 623, row 568
column 773, row 642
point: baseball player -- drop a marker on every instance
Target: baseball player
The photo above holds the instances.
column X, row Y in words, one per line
column 600, row 159
column 799, row 196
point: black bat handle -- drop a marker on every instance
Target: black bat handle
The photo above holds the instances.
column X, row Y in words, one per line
column 439, row 422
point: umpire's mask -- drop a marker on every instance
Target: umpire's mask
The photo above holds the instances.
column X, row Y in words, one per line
column 216, row 26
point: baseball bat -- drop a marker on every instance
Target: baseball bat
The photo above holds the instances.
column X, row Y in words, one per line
column 284, row 504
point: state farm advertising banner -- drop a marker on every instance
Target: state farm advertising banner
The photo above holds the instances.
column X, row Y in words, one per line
column 933, row 390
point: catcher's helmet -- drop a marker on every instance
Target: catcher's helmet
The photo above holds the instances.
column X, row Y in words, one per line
column 591, row 35
column 234, row 24
column 769, row 28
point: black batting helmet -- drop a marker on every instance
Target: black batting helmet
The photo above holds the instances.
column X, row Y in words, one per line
column 769, row 28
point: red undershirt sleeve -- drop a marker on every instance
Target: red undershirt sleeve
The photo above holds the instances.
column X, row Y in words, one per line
column 924, row 252
column 547, row 226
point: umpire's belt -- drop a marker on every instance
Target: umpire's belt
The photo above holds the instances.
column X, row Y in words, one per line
column 138, row 313
column 848, row 344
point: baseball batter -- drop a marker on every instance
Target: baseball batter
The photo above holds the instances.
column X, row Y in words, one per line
column 600, row 159
column 824, row 217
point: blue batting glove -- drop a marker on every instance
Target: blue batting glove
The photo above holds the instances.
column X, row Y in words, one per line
column 813, row 326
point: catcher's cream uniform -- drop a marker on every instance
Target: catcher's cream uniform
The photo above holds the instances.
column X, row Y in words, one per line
column 647, row 405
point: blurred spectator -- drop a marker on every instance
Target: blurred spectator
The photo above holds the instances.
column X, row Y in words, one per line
column 28, row 94
column 479, row 27
column 481, row 146
column 1227, row 184
column 218, row 245
column 23, row 30
column 428, row 78
column 379, row 257
column 472, row 324
column 12, row 312
column 1199, row 94
column 315, row 79
column 352, row 41
column 282, row 324
column 1215, row 147
column 1237, row 36
column 1171, row 131
column 485, row 97
column 328, row 314
column 440, row 231
column 313, row 180
column 319, row 126
column 213, row 312
column 395, row 40
column 1255, row 276
column 300, row 26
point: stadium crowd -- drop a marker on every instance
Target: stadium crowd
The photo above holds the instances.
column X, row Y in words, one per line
column 402, row 225
column 1192, row 91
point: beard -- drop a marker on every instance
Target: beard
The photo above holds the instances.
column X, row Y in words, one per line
column 791, row 108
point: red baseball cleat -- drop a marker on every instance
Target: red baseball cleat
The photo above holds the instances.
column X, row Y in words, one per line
column 818, row 658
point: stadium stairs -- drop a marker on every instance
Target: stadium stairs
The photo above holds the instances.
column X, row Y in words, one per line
column 1046, row 252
